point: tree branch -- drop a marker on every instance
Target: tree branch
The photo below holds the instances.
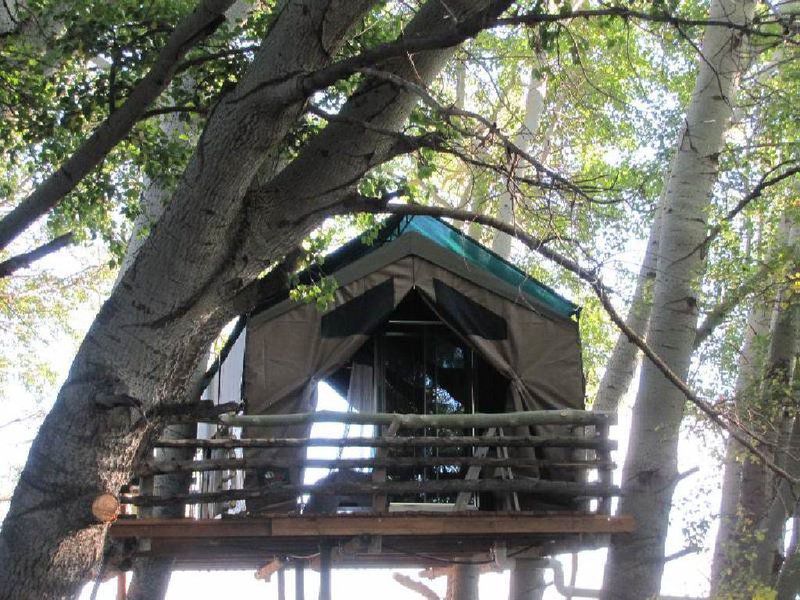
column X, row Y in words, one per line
column 735, row 296
column 20, row 261
column 627, row 13
column 415, row 586
column 764, row 183
column 196, row 26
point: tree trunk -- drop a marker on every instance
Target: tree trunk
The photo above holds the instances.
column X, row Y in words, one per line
column 212, row 241
column 151, row 575
column 748, row 369
column 636, row 561
column 788, row 584
column 753, row 552
column 527, row 580
column 534, row 107
column 150, row 335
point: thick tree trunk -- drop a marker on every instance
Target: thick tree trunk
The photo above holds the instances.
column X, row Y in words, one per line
column 149, row 336
column 636, row 561
column 211, row 242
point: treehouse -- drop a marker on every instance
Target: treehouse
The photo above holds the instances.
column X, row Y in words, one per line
column 432, row 411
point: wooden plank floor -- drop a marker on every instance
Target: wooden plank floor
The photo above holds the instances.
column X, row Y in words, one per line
column 407, row 539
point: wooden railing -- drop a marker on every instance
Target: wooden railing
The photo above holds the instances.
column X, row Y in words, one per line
column 582, row 436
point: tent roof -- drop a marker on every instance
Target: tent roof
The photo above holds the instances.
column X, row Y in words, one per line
column 456, row 243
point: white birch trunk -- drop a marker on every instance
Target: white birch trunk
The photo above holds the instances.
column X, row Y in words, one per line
column 534, row 107
column 778, row 395
column 636, row 560
column 749, row 367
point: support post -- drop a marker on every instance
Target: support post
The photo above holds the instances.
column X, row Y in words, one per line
column 325, row 570
column 122, row 586
column 463, row 582
column 281, row 584
column 299, row 581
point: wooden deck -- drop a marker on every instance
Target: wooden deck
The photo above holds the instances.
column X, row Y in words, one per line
column 407, row 540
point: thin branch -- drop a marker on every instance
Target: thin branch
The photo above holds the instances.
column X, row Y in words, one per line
column 627, row 13
column 681, row 553
column 204, row 58
column 168, row 110
column 357, row 203
column 732, row 299
column 194, row 27
column 764, row 183
column 26, row 259
column 492, row 128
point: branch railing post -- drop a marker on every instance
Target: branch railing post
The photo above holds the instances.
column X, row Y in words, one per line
column 605, row 474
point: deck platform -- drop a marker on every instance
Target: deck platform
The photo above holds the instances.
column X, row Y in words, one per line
column 406, row 540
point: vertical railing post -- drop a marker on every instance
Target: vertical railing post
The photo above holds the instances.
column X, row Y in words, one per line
column 380, row 502
column 605, row 474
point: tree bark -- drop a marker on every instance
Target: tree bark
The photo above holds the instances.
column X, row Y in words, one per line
column 210, row 243
column 150, row 335
column 749, row 367
column 527, row 580
column 636, row 561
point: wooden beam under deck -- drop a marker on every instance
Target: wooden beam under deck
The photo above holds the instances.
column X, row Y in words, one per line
column 408, row 539
column 394, row 524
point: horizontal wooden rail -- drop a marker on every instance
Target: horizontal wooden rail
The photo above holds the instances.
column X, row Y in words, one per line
column 202, row 411
column 154, row 467
column 534, row 487
column 590, row 443
column 510, row 419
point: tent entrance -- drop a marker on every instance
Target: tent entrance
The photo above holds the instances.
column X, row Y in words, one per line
column 416, row 365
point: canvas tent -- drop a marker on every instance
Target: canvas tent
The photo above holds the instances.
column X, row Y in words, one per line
column 521, row 327
column 524, row 330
